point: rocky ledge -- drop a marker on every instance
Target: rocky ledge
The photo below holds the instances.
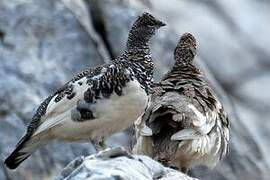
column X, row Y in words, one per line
column 44, row 43
column 116, row 163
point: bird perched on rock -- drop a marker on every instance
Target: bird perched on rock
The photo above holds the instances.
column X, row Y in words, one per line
column 184, row 123
column 97, row 102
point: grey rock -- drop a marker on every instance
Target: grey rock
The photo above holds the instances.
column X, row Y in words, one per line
column 44, row 43
column 259, row 86
column 116, row 163
column 256, row 123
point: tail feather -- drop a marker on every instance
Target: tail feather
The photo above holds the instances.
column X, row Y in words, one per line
column 23, row 150
column 17, row 157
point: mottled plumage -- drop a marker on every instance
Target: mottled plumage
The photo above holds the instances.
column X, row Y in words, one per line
column 97, row 102
column 184, row 123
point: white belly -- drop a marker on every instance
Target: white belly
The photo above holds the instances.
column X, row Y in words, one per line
column 112, row 115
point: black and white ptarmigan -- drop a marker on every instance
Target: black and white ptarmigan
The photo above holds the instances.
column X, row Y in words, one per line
column 97, row 102
column 184, row 124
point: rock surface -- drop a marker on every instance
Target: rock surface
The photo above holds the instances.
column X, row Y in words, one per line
column 115, row 164
column 44, row 43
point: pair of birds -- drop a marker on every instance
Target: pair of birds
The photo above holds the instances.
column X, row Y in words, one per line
column 183, row 124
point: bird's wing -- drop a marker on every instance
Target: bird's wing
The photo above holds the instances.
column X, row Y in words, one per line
column 202, row 119
column 60, row 104
column 147, row 124
column 179, row 112
column 87, row 87
column 199, row 125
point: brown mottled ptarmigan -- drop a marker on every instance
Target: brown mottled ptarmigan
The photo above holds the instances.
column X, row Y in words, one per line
column 97, row 102
column 184, row 124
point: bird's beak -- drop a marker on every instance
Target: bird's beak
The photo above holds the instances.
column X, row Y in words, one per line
column 161, row 24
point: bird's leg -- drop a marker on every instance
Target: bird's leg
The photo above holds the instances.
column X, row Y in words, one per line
column 102, row 144
column 184, row 170
column 99, row 144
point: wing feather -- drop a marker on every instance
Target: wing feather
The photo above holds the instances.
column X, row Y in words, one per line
column 94, row 83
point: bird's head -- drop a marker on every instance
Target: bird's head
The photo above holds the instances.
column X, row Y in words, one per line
column 144, row 28
column 147, row 21
column 186, row 48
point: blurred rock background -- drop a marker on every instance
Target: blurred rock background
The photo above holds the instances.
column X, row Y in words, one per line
column 44, row 43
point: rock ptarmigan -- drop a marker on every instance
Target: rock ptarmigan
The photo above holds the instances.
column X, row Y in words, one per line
column 184, row 124
column 97, row 102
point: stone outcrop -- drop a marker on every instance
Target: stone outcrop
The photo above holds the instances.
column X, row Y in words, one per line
column 115, row 164
column 44, row 43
